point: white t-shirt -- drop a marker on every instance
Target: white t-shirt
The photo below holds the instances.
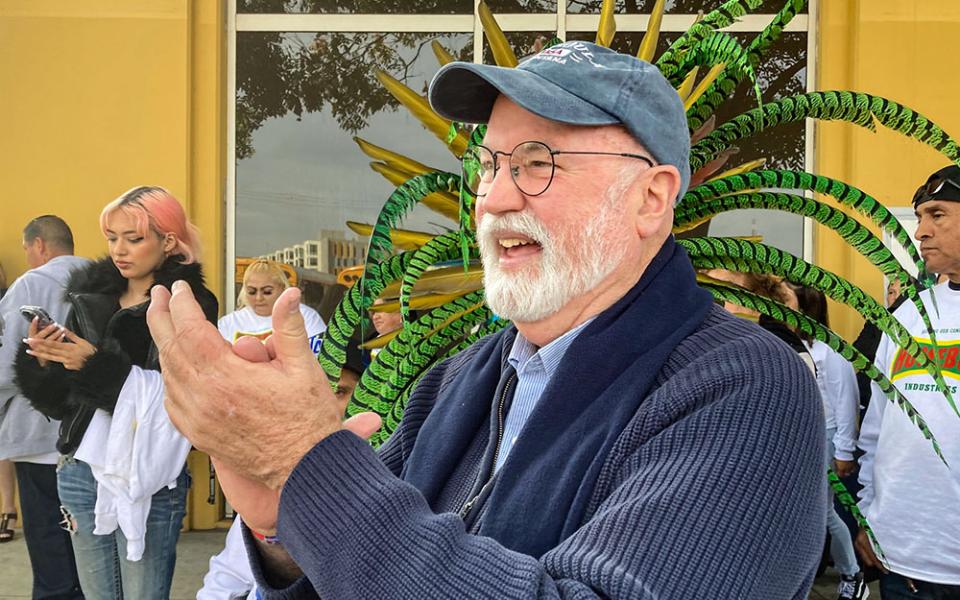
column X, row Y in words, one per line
column 246, row 322
column 910, row 497
column 837, row 382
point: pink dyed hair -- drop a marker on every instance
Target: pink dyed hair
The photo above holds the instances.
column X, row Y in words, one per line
column 154, row 208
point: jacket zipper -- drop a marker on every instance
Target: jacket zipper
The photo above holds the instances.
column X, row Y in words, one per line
column 468, row 506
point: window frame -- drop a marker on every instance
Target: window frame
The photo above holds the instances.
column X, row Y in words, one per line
column 561, row 22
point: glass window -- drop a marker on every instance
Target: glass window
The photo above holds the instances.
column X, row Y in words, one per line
column 301, row 98
column 680, row 7
column 522, row 6
column 420, row 7
column 524, row 43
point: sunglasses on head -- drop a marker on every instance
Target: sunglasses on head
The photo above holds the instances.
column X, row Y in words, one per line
column 933, row 187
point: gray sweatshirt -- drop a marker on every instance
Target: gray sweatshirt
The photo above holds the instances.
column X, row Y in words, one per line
column 24, row 432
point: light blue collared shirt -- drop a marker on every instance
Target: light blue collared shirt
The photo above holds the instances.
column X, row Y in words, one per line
column 535, row 369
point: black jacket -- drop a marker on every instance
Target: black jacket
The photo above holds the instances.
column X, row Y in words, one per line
column 122, row 340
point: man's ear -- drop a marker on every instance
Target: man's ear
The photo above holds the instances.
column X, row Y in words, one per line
column 661, row 188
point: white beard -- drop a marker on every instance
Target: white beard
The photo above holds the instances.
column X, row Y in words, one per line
column 571, row 263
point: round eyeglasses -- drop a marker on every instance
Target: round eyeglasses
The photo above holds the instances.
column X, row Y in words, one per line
column 532, row 166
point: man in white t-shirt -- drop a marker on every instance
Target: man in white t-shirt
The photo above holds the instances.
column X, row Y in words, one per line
column 909, row 495
column 27, row 437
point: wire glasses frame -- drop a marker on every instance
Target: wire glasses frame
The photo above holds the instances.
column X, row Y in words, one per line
column 532, row 166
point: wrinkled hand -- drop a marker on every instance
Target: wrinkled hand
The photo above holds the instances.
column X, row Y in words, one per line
column 257, row 419
column 844, row 468
column 865, row 549
column 51, row 347
column 257, row 503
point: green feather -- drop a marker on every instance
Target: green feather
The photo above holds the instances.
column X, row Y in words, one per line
column 801, row 323
column 852, row 231
column 350, row 312
column 846, row 195
column 742, row 255
column 855, row 107
column 439, row 249
column 724, row 16
column 849, row 503
column 721, row 89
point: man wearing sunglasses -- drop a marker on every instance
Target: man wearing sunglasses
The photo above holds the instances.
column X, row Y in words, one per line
column 625, row 438
column 905, row 485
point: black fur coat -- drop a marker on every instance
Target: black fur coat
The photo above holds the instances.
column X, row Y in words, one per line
column 120, row 335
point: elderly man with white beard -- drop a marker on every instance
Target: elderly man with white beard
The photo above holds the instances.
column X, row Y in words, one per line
column 625, row 438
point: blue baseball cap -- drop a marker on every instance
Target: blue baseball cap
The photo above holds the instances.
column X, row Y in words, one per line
column 578, row 83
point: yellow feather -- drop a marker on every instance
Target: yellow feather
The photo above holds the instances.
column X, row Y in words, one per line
column 703, row 85
column 608, row 24
column 445, row 280
column 648, row 46
column 502, row 52
column 383, row 340
column 687, row 86
column 420, row 108
column 403, row 239
column 443, row 57
column 741, row 169
column 392, row 159
column 416, row 302
column 445, row 203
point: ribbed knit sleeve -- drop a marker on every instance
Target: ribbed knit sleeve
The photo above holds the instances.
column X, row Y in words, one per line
column 721, row 495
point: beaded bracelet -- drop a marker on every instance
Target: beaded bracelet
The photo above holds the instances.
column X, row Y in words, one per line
column 266, row 539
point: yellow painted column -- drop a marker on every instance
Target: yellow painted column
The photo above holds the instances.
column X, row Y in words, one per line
column 897, row 49
column 101, row 96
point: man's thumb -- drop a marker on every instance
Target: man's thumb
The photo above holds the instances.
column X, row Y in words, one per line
column 289, row 338
column 363, row 424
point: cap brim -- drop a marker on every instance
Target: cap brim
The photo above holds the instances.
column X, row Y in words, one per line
column 466, row 92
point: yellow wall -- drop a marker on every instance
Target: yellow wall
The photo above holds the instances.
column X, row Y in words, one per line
column 100, row 96
column 902, row 50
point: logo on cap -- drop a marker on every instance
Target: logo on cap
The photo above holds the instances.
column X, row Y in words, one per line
column 577, row 52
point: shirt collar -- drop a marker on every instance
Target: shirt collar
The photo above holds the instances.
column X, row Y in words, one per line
column 523, row 351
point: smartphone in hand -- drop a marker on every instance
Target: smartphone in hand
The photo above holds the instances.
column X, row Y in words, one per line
column 31, row 312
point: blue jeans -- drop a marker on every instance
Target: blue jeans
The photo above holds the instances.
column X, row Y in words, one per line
column 894, row 587
column 841, row 544
column 105, row 573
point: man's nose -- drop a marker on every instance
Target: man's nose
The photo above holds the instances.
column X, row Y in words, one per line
column 502, row 195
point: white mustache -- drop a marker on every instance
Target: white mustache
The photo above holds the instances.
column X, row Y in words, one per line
column 523, row 223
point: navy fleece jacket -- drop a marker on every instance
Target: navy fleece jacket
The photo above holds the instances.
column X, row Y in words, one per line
column 713, row 488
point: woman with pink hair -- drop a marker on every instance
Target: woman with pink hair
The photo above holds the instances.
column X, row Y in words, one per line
column 122, row 477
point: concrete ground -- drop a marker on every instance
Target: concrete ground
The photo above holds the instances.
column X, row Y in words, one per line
column 196, row 548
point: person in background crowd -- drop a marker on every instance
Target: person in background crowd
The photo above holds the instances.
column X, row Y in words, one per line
column 8, row 475
column 385, row 322
column 28, row 438
column 263, row 282
column 907, row 489
column 838, row 388
column 8, row 491
column 8, row 507
column 869, row 338
column 623, row 438
column 773, row 288
column 123, row 480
